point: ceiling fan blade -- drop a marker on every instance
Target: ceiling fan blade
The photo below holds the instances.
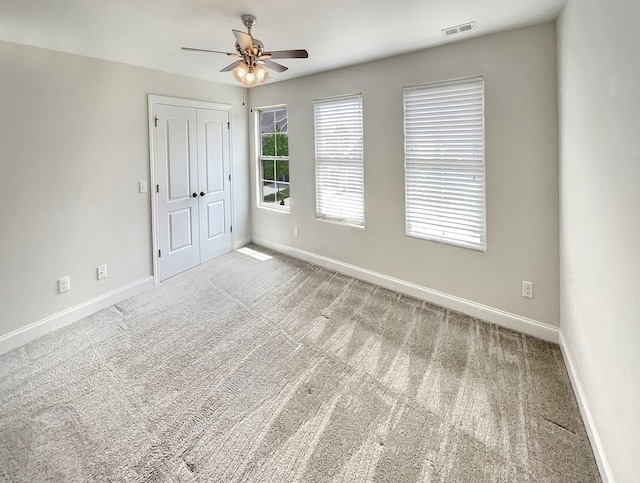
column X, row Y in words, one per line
column 245, row 41
column 232, row 66
column 274, row 65
column 286, row 54
column 191, row 49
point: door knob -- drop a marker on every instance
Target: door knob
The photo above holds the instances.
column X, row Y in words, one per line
column 202, row 193
column 195, row 195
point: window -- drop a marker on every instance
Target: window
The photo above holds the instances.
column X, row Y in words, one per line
column 339, row 159
column 274, row 158
column 444, row 162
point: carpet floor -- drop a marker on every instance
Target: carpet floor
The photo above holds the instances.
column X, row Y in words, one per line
column 277, row 370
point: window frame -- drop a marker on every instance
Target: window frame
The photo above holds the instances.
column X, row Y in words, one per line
column 260, row 165
column 324, row 163
column 437, row 163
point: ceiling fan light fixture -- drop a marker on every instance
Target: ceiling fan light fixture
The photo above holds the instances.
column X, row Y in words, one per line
column 250, row 76
column 240, row 72
column 261, row 74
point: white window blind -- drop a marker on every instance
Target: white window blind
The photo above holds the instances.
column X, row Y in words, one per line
column 444, row 162
column 339, row 159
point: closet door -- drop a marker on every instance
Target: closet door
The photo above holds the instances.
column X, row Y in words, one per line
column 214, row 178
column 178, row 196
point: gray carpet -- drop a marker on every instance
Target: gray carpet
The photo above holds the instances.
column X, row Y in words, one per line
column 277, row 370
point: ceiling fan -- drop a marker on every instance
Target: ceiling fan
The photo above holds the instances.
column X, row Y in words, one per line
column 249, row 69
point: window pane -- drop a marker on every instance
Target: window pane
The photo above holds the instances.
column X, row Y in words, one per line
column 282, row 170
column 281, row 121
column 283, row 194
column 268, row 171
column 268, row 144
column 267, row 121
column 268, row 192
column 282, row 144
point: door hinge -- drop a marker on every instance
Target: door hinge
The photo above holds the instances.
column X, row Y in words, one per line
column 228, row 125
column 231, row 228
column 229, row 177
column 157, row 188
column 156, row 121
column 159, row 253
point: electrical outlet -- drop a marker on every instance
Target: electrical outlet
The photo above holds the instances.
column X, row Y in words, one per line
column 142, row 186
column 527, row 289
column 64, row 284
column 102, row 272
column 296, row 232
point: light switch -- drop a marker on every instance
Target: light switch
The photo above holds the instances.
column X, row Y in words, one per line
column 142, row 186
column 102, row 272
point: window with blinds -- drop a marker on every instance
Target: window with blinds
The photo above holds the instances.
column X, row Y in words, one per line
column 444, row 162
column 339, row 159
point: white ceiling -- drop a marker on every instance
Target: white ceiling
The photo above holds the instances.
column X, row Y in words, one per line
column 149, row 33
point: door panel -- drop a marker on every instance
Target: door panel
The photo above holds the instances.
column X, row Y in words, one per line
column 178, row 158
column 180, row 223
column 214, row 169
column 177, row 170
column 214, row 154
column 216, row 221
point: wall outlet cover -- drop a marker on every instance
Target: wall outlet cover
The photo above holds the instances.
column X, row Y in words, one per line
column 64, row 284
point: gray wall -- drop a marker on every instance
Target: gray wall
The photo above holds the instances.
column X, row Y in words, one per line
column 519, row 68
column 73, row 145
column 599, row 58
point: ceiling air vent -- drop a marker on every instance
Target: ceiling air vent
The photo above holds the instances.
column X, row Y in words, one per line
column 459, row 28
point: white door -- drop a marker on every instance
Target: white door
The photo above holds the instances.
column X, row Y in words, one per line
column 214, row 175
column 177, row 176
column 193, row 178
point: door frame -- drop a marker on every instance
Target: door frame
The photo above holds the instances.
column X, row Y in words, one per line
column 177, row 101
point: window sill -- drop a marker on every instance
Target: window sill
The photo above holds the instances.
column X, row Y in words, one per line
column 286, row 210
column 340, row 222
column 450, row 243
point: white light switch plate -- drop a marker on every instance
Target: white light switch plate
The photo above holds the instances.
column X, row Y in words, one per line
column 142, row 186
column 102, row 272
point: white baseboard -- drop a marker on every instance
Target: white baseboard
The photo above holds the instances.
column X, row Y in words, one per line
column 495, row 316
column 589, row 423
column 33, row 331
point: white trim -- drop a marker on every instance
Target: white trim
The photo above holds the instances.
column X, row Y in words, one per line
column 152, row 188
column 335, row 221
column 152, row 101
column 33, row 331
column 589, row 423
column 178, row 101
column 499, row 317
column 273, row 208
